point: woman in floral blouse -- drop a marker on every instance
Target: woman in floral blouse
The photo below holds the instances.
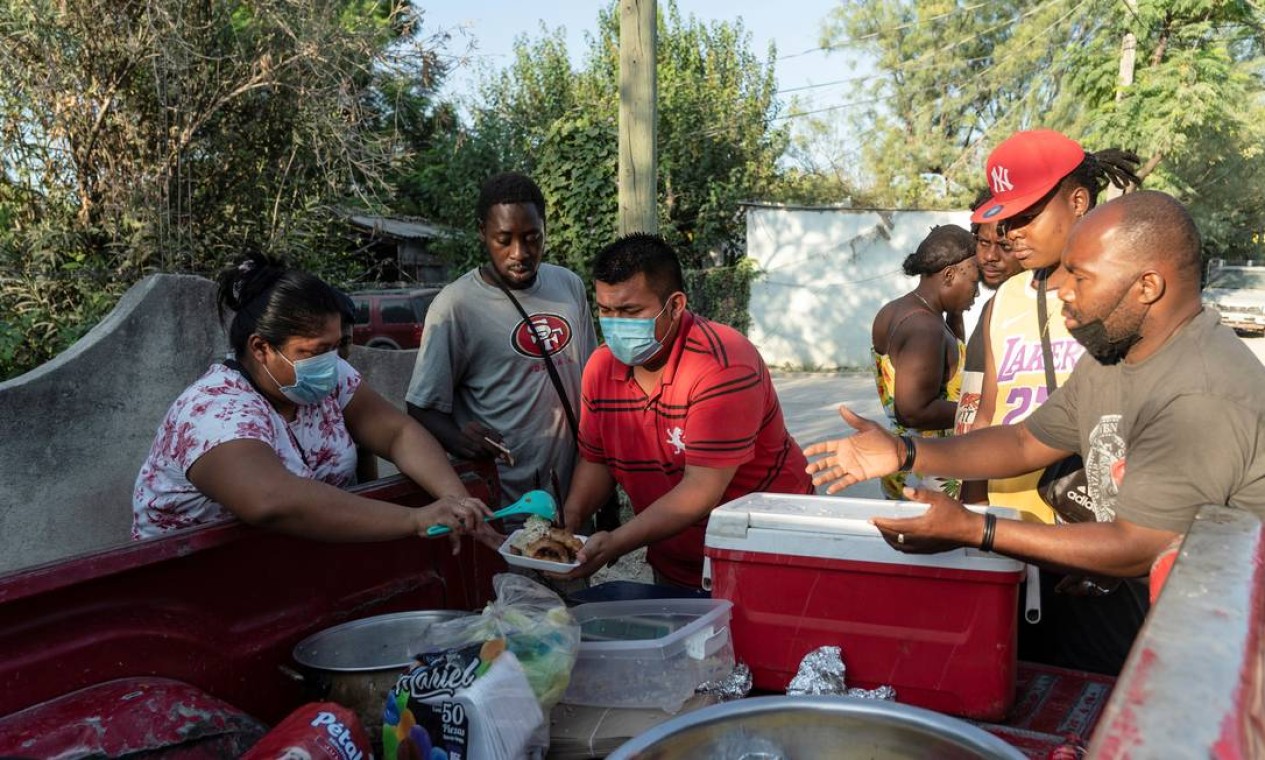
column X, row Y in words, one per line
column 270, row 435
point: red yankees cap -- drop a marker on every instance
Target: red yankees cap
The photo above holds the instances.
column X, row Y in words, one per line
column 1025, row 167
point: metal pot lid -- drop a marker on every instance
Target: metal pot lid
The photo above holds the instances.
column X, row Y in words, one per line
column 376, row 643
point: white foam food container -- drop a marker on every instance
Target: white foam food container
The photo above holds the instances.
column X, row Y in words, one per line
column 519, row 560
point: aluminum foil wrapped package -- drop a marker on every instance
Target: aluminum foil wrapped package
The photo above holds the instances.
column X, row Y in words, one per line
column 820, row 672
column 736, row 685
column 883, row 692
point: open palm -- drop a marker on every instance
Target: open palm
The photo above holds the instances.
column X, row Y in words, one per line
column 871, row 453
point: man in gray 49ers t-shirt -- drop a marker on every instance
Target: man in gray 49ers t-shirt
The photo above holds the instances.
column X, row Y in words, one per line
column 480, row 383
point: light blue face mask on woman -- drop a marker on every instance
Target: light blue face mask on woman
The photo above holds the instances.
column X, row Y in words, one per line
column 631, row 339
column 314, row 378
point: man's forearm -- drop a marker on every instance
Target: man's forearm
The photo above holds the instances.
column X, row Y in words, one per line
column 1002, row 451
column 442, row 426
column 678, row 509
column 1118, row 549
column 1115, row 549
column 591, row 486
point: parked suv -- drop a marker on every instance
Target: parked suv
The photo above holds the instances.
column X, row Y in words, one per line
column 391, row 318
column 1238, row 292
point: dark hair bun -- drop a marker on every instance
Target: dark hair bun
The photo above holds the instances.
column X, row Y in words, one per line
column 273, row 302
column 944, row 246
column 246, row 280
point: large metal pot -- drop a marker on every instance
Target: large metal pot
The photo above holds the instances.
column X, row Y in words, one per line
column 355, row 664
column 806, row 728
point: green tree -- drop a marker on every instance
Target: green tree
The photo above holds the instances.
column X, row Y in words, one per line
column 149, row 136
column 514, row 111
column 1195, row 110
column 955, row 78
column 717, row 141
column 921, row 119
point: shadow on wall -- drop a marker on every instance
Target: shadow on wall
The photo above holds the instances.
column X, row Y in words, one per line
column 75, row 430
column 825, row 274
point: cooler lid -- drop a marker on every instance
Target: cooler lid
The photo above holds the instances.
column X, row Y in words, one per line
column 805, row 524
column 822, row 514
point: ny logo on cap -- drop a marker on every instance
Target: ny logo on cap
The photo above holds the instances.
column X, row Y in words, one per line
column 1000, row 177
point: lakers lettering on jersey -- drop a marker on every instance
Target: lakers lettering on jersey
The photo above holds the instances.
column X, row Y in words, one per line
column 1015, row 339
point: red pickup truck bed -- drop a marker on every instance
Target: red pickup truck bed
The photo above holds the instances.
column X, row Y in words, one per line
column 215, row 610
column 183, row 642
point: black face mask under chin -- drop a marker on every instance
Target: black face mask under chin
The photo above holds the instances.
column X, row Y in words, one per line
column 1093, row 336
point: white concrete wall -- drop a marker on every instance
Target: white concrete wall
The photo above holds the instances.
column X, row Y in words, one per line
column 826, row 273
column 74, row 431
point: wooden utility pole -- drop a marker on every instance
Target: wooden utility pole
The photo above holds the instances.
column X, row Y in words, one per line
column 1128, row 53
column 638, row 115
column 1128, row 56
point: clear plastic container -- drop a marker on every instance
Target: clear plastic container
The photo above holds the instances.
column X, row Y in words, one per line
column 649, row 652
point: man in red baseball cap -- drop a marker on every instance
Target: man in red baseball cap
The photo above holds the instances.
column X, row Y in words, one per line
column 1042, row 183
column 1024, row 169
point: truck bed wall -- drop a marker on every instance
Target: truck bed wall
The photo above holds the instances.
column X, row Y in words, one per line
column 220, row 607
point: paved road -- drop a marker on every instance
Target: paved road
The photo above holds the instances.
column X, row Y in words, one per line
column 810, row 403
column 1258, row 347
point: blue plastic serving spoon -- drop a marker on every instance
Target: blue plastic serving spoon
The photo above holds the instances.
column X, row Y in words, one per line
column 538, row 503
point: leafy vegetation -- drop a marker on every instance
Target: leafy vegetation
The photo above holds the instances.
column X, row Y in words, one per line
column 142, row 137
column 717, row 140
column 145, row 137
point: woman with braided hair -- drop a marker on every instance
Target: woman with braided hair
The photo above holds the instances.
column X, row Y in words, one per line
column 269, row 436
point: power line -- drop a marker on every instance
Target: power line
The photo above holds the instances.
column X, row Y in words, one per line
column 984, row 130
column 867, row 101
column 898, row 67
column 897, row 28
column 1031, row 11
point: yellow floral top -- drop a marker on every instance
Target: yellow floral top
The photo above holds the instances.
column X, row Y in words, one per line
column 885, row 380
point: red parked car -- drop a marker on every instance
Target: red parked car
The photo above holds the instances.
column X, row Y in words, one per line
column 391, row 318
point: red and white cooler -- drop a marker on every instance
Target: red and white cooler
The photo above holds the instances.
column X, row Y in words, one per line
column 810, row 571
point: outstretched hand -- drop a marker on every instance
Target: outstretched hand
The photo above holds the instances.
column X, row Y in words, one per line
column 871, row 453
column 945, row 525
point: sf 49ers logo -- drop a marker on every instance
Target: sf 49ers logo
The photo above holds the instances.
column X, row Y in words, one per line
column 543, row 331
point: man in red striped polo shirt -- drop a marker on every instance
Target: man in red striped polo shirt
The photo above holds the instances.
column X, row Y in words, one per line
column 678, row 410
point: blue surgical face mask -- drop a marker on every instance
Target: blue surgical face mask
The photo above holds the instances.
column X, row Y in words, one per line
column 631, row 339
column 314, row 378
